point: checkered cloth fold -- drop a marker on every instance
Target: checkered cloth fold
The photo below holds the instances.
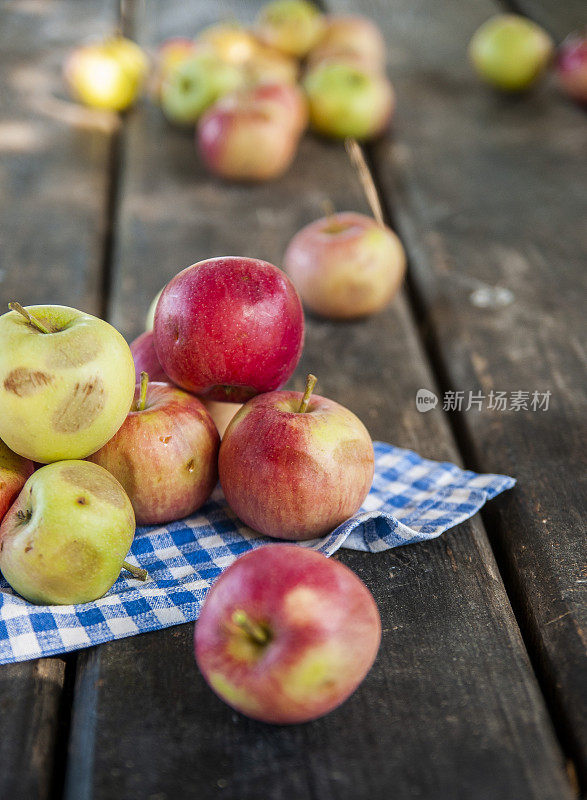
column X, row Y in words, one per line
column 411, row 500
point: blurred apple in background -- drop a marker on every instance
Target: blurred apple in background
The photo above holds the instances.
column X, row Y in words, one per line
column 292, row 26
column 107, row 75
column 195, row 84
column 169, row 56
column 345, row 265
column 285, row 635
column 145, row 358
column 221, row 413
column 284, row 99
column 571, row 66
column 151, row 311
column 349, row 37
column 164, row 455
column 230, row 41
column 348, row 101
column 242, row 139
column 293, row 473
column 14, row 470
column 268, row 65
column 228, row 328
column 510, row 52
column 66, row 382
column 66, row 537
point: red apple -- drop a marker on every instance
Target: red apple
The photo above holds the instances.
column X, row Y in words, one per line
column 145, row 358
column 14, row 471
column 351, row 37
column 286, row 635
column 571, row 66
column 164, row 455
column 283, row 98
column 242, row 139
column 229, row 328
column 345, row 265
column 295, row 474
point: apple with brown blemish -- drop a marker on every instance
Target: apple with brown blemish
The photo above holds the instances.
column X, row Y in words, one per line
column 229, row 328
column 66, row 537
column 345, row 265
column 165, row 455
column 14, row 470
column 66, row 382
column 295, row 466
column 286, row 635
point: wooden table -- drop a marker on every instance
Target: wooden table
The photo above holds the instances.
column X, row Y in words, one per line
column 478, row 692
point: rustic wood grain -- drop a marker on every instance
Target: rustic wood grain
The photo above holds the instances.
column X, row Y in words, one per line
column 53, row 177
column 490, row 191
column 558, row 18
column 451, row 709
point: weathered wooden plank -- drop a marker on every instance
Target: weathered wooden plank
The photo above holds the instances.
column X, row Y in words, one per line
column 558, row 18
column 451, row 708
column 490, row 192
column 53, row 173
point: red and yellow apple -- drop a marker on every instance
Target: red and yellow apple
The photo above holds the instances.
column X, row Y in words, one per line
column 65, row 538
column 245, row 139
column 510, row 52
column 145, row 358
column 345, row 265
column 230, row 41
column 66, row 382
column 293, row 472
column 285, row 635
column 291, row 26
column 348, row 101
column 14, row 471
column 164, row 455
column 571, row 66
column 268, row 65
column 108, row 74
column 354, row 38
column 229, row 328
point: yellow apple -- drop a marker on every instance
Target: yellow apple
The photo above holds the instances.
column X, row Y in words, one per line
column 66, row 386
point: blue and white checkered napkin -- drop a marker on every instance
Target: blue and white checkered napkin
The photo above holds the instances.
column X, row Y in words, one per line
column 411, row 500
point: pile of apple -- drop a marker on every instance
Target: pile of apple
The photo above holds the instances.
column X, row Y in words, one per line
column 240, row 86
column 86, row 451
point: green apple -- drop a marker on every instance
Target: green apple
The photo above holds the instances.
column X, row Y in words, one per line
column 107, row 75
column 151, row 312
column 510, row 52
column 347, row 100
column 291, row 26
column 65, row 538
column 67, row 382
column 195, row 84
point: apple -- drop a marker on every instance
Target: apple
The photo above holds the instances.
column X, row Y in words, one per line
column 14, row 470
column 221, row 413
column 229, row 328
column 107, row 74
column 284, row 99
column 230, row 41
column 66, row 382
column 66, row 536
column 293, row 467
column 241, row 138
column 145, row 358
column 151, row 311
column 292, row 26
column 510, row 52
column 286, row 635
column 170, row 54
column 348, row 101
column 268, row 65
column 354, row 38
column 345, row 265
column 571, row 66
column 165, row 454
column 195, row 84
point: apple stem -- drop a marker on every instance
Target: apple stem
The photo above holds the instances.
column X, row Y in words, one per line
column 143, row 391
column 29, row 317
column 357, row 158
column 257, row 632
column 310, row 383
column 136, row 572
